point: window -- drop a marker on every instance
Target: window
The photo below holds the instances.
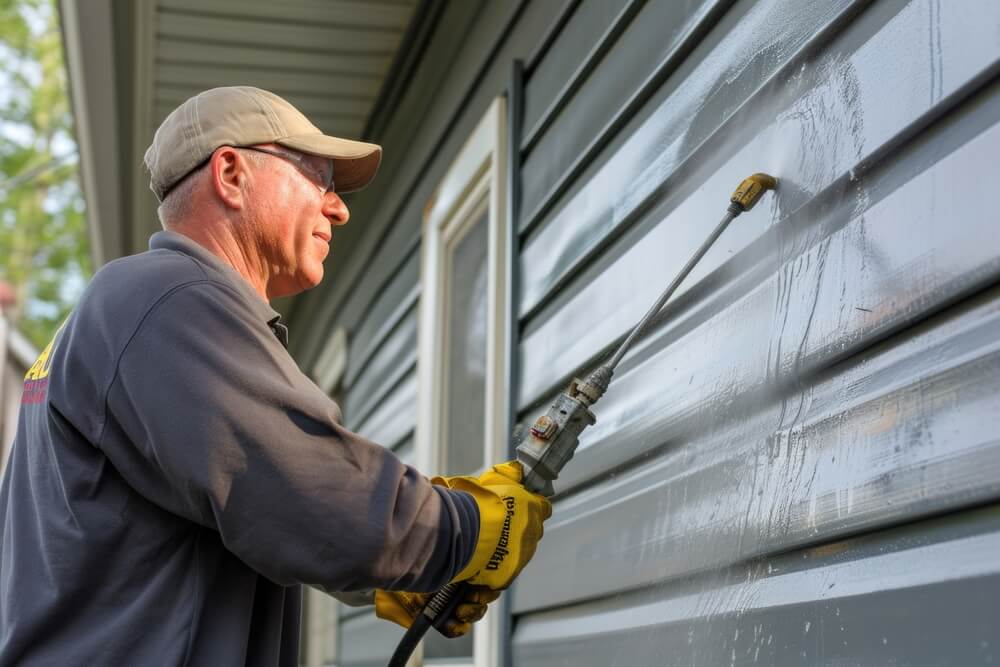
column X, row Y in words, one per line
column 461, row 426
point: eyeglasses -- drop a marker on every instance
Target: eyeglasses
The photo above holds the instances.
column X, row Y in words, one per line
column 322, row 178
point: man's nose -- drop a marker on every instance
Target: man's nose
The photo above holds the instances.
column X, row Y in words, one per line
column 335, row 209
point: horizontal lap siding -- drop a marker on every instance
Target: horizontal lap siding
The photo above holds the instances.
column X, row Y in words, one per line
column 391, row 363
column 831, row 368
column 814, row 141
column 906, row 433
column 921, row 595
column 584, row 26
column 380, row 380
column 642, row 160
column 394, row 418
column 399, row 294
column 645, row 37
column 380, row 404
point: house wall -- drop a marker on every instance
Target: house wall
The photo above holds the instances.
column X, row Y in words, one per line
column 798, row 464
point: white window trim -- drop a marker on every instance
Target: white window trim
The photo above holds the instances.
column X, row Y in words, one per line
column 477, row 179
column 323, row 627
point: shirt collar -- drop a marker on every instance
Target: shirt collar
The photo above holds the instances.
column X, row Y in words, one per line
column 179, row 243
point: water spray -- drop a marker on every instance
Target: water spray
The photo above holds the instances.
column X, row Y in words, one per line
column 553, row 438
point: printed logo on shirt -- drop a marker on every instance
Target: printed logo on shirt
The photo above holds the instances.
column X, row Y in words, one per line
column 36, row 380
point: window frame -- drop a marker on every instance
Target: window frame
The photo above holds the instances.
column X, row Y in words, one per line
column 320, row 628
column 476, row 180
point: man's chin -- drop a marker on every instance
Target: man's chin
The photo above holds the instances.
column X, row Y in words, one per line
column 301, row 283
column 311, row 279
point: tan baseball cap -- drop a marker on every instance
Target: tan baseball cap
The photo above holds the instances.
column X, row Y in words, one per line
column 245, row 116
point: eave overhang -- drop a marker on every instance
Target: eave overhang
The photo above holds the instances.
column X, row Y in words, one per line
column 131, row 62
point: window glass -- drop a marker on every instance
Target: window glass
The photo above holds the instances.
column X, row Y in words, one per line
column 465, row 366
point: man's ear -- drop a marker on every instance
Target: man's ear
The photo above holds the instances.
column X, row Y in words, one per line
column 229, row 171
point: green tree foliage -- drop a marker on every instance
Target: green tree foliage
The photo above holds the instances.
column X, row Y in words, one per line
column 44, row 252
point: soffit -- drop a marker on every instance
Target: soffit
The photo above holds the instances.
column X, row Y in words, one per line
column 327, row 57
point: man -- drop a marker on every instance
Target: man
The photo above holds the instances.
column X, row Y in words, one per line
column 175, row 478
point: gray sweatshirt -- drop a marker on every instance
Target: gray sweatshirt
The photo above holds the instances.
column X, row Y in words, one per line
column 175, row 479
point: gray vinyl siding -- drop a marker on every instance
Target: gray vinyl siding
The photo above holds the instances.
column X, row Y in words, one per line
column 390, row 371
column 923, row 594
column 398, row 296
column 380, row 401
column 385, row 412
column 830, row 369
column 642, row 38
column 799, row 463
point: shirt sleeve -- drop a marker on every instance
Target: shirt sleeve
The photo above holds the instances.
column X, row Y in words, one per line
column 209, row 417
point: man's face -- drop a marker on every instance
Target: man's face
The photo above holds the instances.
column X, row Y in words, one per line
column 293, row 219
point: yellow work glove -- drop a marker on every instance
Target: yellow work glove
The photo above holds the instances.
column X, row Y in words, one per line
column 403, row 608
column 510, row 524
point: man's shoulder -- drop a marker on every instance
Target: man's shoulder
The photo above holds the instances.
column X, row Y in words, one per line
column 126, row 289
column 112, row 309
column 154, row 271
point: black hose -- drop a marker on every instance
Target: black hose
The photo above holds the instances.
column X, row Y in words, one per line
column 408, row 644
column 437, row 612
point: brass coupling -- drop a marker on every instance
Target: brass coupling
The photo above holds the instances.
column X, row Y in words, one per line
column 749, row 192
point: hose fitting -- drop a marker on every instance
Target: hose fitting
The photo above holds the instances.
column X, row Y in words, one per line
column 749, row 192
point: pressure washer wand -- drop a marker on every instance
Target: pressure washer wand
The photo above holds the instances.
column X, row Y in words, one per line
column 744, row 198
column 552, row 440
column 554, row 436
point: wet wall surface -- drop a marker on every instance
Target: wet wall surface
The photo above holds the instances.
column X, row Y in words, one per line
column 830, row 369
column 814, row 128
column 924, row 594
column 799, row 463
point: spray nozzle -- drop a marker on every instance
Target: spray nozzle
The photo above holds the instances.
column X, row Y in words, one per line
column 750, row 190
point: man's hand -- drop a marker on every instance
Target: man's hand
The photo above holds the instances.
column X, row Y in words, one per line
column 403, row 608
column 510, row 524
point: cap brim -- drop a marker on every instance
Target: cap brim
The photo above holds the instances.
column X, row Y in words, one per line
column 355, row 163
